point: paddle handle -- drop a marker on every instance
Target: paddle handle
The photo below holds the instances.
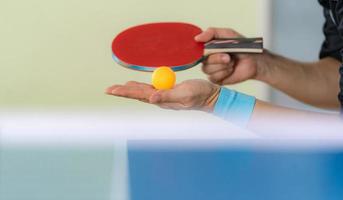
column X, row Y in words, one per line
column 234, row 45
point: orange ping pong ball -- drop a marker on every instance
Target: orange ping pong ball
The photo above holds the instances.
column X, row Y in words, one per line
column 163, row 78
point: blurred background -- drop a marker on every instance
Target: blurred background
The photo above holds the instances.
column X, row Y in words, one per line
column 61, row 137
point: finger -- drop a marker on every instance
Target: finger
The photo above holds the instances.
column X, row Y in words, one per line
column 129, row 83
column 212, row 33
column 164, row 106
column 156, row 97
column 224, row 33
column 126, row 91
column 133, row 92
column 112, row 88
column 205, row 36
column 139, row 84
column 218, row 58
column 218, row 77
column 213, row 68
column 233, row 79
column 142, row 86
column 164, row 96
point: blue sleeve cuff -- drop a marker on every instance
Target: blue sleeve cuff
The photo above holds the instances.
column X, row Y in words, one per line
column 234, row 107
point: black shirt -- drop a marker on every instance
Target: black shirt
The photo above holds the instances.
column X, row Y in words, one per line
column 333, row 31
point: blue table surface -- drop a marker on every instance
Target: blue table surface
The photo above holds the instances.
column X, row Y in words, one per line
column 234, row 173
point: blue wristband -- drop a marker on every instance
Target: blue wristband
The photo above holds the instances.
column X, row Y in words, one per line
column 234, row 106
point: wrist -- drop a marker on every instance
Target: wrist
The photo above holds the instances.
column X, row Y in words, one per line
column 212, row 99
column 264, row 67
column 234, row 107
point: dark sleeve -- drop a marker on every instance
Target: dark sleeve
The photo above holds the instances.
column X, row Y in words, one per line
column 333, row 42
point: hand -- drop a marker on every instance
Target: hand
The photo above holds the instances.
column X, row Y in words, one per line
column 224, row 68
column 188, row 95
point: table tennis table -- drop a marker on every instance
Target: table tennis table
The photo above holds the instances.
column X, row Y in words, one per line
column 83, row 155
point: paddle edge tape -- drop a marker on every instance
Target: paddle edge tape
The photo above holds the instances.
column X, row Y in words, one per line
column 151, row 69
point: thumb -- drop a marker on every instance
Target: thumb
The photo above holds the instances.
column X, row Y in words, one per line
column 205, row 36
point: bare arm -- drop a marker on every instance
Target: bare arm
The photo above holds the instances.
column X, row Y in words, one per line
column 266, row 119
column 314, row 83
column 271, row 120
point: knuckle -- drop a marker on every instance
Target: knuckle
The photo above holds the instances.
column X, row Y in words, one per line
column 205, row 68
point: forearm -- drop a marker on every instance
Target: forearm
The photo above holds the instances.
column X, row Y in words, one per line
column 275, row 120
column 267, row 119
column 314, row 83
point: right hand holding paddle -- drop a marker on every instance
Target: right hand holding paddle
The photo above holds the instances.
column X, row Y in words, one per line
column 224, row 69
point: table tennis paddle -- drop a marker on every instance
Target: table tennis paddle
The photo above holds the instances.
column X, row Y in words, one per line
column 148, row 46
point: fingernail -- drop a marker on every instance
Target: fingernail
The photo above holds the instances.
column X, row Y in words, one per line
column 114, row 91
column 155, row 98
column 225, row 58
column 108, row 91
